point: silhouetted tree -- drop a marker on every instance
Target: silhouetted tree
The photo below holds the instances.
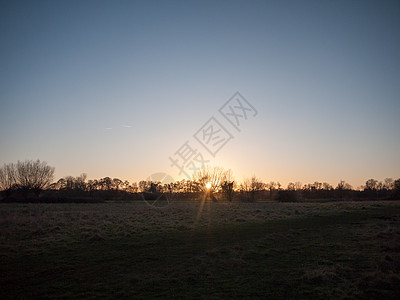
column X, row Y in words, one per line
column 61, row 184
column 396, row 185
column 294, row 186
column 212, row 175
column 144, row 186
column 70, row 183
column 343, row 185
column 252, row 186
column 290, row 186
column 271, row 186
column 33, row 176
column 133, row 188
column 117, row 183
column 297, row 185
column 396, row 189
column 125, row 185
column 388, row 183
column 343, row 189
column 326, row 186
column 317, row 185
column 80, row 182
column 371, row 184
column 228, row 185
column 7, row 178
column 279, row 185
column 227, row 190
column 105, row 183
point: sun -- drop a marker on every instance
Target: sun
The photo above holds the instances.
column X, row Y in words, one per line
column 208, row 185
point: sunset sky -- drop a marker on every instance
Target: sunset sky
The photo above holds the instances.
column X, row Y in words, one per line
column 116, row 88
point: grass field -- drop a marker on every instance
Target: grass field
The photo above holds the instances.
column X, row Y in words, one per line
column 338, row 250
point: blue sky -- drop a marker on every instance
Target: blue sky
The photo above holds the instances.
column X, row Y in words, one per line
column 324, row 77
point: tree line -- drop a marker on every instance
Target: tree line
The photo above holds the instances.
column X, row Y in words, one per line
column 35, row 179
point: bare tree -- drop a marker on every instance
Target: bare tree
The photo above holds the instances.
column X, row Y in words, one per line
column 297, row 185
column 228, row 185
column 326, row 186
column 125, row 185
column 293, row 186
column 144, row 186
column 343, row 185
column 80, row 182
column 105, row 183
column 133, row 188
column 343, row 189
column 252, row 186
column 7, row 179
column 396, row 187
column 91, row 185
column 317, row 185
column 389, row 183
column 211, row 175
column 33, row 176
column 117, row 183
column 371, row 184
column 271, row 186
column 210, row 179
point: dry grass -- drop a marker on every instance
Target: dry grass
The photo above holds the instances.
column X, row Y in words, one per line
column 335, row 250
column 25, row 226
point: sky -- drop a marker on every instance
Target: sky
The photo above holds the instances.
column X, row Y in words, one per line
column 120, row 88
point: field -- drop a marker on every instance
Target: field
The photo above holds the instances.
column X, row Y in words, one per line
column 336, row 250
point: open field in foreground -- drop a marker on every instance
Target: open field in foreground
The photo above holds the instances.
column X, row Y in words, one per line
column 240, row 250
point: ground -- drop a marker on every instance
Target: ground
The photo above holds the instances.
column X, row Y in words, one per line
column 345, row 250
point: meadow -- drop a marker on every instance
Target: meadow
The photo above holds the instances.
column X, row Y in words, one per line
column 334, row 250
